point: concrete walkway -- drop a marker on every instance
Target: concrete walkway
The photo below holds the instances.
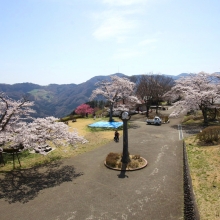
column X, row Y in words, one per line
column 82, row 188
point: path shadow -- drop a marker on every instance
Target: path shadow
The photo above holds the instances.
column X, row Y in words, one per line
column 133, row 125
column 24, row 185
column 190, row 129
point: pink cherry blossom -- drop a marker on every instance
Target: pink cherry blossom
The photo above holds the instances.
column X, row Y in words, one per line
column 17, row 127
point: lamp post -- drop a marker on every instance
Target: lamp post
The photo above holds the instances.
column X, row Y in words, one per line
column 125, row 157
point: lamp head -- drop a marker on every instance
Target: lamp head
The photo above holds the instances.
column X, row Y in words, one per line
column 125, row 116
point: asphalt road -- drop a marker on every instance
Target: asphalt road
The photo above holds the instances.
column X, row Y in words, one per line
column 82, row 188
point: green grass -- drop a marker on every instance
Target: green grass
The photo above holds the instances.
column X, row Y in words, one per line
column 28, row 160
column 204, row 163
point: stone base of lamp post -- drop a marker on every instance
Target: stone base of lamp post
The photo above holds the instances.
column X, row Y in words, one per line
column 125, row 159
column 126, row 167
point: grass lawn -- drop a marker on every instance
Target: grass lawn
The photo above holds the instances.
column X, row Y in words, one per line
column 204, row 163
column 96, row 139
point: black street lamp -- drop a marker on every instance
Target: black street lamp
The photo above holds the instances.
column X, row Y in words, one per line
column 125, row 157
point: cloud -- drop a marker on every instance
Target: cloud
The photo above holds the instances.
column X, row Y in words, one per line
column 114, row 24
column 126, row 53
column 147, row 42
column 123, row 2
column 118, row 20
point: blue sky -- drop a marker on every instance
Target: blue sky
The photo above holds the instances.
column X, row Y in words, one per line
column 70, row 41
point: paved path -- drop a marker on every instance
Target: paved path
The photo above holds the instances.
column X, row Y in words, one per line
column 82, row 188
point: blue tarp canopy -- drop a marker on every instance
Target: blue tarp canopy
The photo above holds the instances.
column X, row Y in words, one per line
column 106, row 124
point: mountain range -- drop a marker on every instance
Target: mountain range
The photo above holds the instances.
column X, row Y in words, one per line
column 58, row 100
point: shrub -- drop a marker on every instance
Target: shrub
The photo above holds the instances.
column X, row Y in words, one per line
column 70, row 117
column 209, row 134
column 198, row 117
column 191, row 112
column 112, row 159
column 64, row 119
column 140, row 160
column 77, row 116
column 166, row 119
column 188, row 118
column 135, row 157
column 133, row 164
column 120, row 164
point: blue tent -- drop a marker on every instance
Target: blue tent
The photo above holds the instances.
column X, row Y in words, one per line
column 106, row 124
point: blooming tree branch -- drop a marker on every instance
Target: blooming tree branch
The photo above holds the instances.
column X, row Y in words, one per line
column 115, row 91
column 16, row 130
column 196, row 92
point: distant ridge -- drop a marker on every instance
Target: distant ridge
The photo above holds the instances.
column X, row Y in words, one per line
column 96, row 79
column 58, row 100
column 179, row 76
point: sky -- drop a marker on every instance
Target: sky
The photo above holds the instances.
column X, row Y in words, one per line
column 71, row 41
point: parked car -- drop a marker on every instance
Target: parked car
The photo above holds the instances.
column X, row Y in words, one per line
column 156, row 121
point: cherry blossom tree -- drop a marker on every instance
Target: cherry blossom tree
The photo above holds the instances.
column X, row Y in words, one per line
column 83, row 109
column 17, row 127
column 13, row 112
column 37, row 134
column 118, row 89
column 196, row 92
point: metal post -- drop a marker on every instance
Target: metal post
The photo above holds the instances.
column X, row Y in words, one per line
column 125, row 156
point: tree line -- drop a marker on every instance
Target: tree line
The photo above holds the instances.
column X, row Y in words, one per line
column 195, row 92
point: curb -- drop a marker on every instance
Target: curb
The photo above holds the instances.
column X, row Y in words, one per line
column 127, row 169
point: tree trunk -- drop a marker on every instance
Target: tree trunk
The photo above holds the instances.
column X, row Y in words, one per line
column 147, row 109
column 110, row 112
column 215, row 114
column 157, row 107
column 205, row 118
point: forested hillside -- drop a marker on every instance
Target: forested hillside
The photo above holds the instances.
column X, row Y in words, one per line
column 55, row 100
